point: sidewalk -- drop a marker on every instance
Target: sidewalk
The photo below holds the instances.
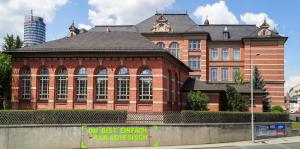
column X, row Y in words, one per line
column 239, row 144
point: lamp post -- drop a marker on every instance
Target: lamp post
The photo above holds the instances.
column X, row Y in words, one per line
column 252, row 110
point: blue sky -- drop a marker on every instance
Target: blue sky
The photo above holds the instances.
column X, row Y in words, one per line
column 284, row 15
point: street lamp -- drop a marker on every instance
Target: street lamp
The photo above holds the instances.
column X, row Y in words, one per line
column 252, row 112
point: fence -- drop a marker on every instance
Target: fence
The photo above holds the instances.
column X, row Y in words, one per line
column 118, row 117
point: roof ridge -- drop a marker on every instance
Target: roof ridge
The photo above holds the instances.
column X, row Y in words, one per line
column 228, row 25
column 113, row 25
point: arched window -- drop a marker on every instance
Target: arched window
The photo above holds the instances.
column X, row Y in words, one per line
column 145, row 84
column 43, row 77
column 122, row 78
column 101, row 84
column 174, row 49
column 62, row 84
column 26, row 83
column 161, row 45
column 81, row 84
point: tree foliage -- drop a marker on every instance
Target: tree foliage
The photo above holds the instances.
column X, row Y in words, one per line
column 10, row 42
column 239, row 78
column 259, row 84
column 277, row 109
column 197, row 101
column 235, row 101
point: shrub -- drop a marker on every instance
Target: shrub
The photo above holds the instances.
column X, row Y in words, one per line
column 197, row 101
column 61, row 116
column 231, row 117
column 277, row 109
column 234, row 100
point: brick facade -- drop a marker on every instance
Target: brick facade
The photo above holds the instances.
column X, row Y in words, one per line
column 162, row 70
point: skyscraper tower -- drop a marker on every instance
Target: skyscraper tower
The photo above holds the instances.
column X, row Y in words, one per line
column 34, row 30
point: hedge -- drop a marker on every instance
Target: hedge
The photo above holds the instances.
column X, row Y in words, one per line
column 61, row 116
column 231, row 117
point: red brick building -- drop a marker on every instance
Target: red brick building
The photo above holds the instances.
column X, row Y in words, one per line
column 144, row 67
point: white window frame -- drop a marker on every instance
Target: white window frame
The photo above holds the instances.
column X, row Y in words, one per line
column 212, row 76
column 161, row 45
column 62, row 84
column 235, row 70
column 213, row 52
column 101, row 87
column 225, row 50
column 81, row 88
column 194, row 45
column 224, row 73
column 194, row 62
column 26, row 85
column 175, row 51
column 123, row 84
column 145, row 90
column 236, row 54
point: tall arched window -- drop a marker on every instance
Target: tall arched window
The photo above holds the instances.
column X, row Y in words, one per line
column 62, row 84
column 145, row 84
column 43, row 78
column 161, row 45
column 101, row 84
column 122, row 78
column 26, row 83
column 81, row 84
column 174, row 49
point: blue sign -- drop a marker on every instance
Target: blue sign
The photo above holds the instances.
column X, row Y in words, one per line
column 280, row 127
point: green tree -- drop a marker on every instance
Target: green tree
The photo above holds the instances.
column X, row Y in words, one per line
column 235, row 101
column 197, row 101
column 259, row 84
column 238, row 78
column 277, row 109
column 10, row 42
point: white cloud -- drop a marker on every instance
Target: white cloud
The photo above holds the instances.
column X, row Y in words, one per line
column 291, row 82
column 257, row 19
column 13, row 13
column 87, row 27
column 124, row 11
column 217, row 13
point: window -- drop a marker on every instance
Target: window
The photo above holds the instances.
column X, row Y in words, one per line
column 235, row 71
column 224, row 74
column 213, row 73
column 43, row 77
column 145, row 84
column 81, row 84
column 122, row 79
column 194, row 45
column 194, row 63
column 62, row 84
column 225, row 54
column 101, row 84
column 26, row 83
column 214, row 54
column 174, row 49
column 161, row 45
column 226, row 35
column 236, row 54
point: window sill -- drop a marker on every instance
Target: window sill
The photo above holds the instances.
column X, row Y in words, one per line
column 60, row 101
column 100, row 101
column 42, row 101
column 80, row 101
column 25, row 100
column 126, row 101
column 145, row 101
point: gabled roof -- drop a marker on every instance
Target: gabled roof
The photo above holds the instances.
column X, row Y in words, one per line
column 194, row 85
column 180, row 23
column 96, row 41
